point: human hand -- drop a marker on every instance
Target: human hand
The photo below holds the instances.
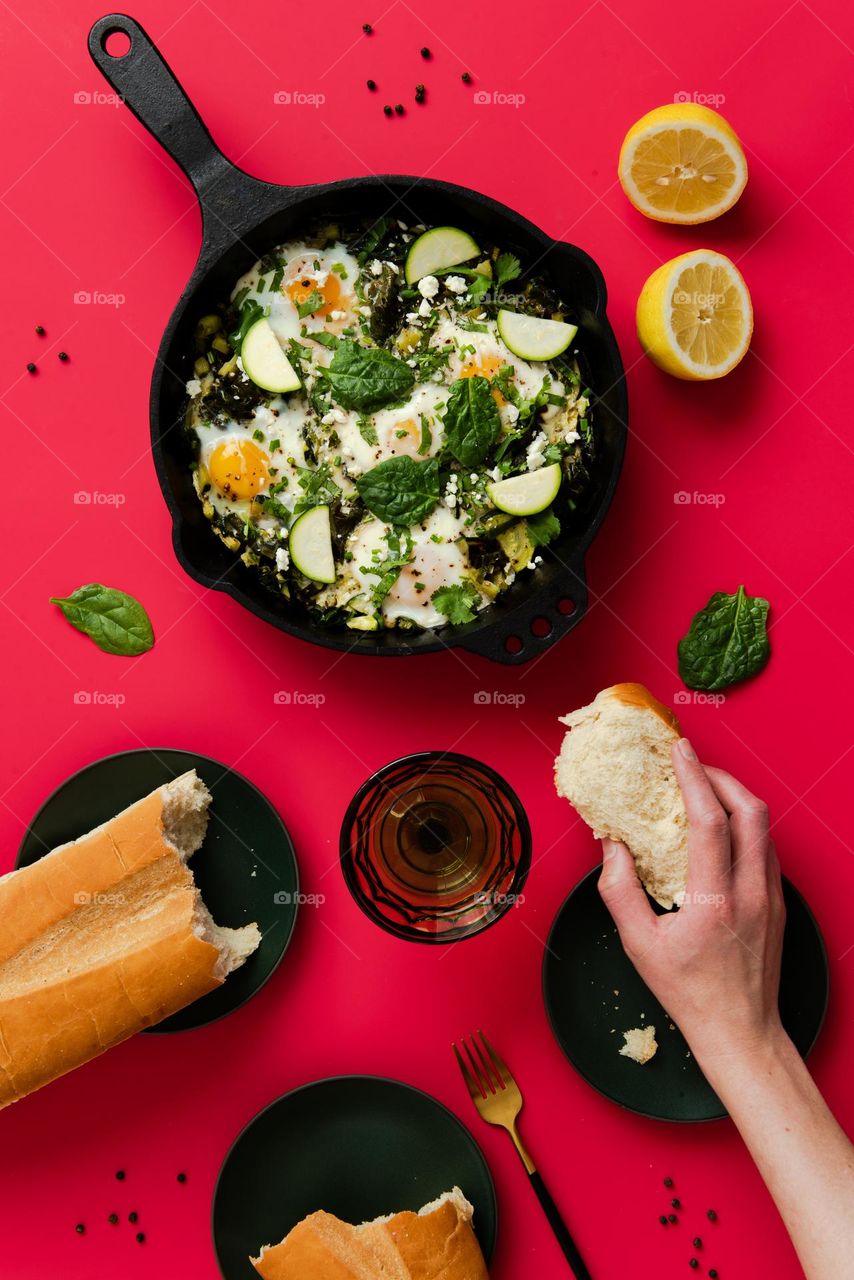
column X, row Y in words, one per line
column 715, row 963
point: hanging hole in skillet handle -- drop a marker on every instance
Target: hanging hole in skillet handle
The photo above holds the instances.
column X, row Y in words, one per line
column 522, row 633
column 116, row 44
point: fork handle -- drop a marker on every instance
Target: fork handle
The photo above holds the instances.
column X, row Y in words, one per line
column 559, row 1227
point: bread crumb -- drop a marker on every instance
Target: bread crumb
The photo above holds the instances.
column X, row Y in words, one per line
column 640, row 1044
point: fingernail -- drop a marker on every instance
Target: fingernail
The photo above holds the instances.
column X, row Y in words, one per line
column 687, row 750
column 609, row 848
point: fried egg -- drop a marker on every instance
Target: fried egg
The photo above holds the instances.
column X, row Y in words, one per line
column 413, row 429
column 325, row 276
column 475, row 354
column 245, row 461
column 433, row 564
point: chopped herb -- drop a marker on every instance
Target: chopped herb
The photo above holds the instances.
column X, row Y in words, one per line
column 367, row 430
column 312, row 303
column 426, row 435
column 456, row 602
column 507, row 268
column 543, row 527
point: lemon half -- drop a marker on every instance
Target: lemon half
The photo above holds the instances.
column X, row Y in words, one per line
column 682, row 163
column 695, row 317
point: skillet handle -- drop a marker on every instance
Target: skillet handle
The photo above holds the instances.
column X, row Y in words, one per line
column 148, row 87
column 527, row 631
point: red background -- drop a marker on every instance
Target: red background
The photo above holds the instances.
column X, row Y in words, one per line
column 90, row 203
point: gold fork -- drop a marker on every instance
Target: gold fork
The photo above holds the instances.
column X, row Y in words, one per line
column 498, row 1100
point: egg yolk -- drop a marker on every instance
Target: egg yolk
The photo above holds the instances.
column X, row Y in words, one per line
column 239, row 468
column 485, row 367
column 300, row 289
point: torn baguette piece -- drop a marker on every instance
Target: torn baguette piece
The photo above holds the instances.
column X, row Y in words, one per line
column 436, row 1243
column 615, row 768
column 107, row 935
column 640, row 1044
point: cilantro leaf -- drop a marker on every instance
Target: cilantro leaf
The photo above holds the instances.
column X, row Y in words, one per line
column 507, row 268
column 456, row 602
column 543, row 528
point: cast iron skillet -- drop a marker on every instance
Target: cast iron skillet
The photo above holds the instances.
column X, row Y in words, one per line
column 242, row 218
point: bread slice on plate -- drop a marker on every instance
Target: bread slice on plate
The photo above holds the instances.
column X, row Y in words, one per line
column 436, row 1243
column 615, row 768
column 107, row 935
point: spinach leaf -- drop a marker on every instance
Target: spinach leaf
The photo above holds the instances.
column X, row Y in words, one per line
column 367, row 430
column 456, row 602
column 726, row 642
column 401, row 491
column 472, row 420
column 367, row 378
column 309, row 305
column 249, row 313
column 543, row 528
column 114, row 620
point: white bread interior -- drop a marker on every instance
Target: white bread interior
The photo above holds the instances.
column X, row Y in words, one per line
column 436, row 1243
column 615, row 768
column 640, row 1044
column 106, row 935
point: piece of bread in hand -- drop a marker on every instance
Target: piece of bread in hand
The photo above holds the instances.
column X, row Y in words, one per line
column 107, row 935
column 615, row 768
column 437, row 1243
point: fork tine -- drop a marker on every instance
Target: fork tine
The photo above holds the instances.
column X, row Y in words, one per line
column 496, row 1084
column 498, row 1063
column 475, row 1091
column 481, row 1075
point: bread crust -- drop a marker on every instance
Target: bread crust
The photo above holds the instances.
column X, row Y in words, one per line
column 440, row 1245
column 98, row 939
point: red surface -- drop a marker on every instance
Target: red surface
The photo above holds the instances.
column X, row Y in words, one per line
column 92, row 204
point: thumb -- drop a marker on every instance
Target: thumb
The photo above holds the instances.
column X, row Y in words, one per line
column 624, row 896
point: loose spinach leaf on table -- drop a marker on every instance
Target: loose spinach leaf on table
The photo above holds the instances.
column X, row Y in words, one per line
column 400, row 490
column 114, row 620
column 367, row 378
column 726, row 642
column 472, row 420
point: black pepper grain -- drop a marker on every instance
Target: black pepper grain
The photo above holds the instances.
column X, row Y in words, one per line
column 399, row 108
column 419, row 92
column 31, row 368
column 466, row 78
column 387, row 109
column 711, row 1215
column 663, row 1220
column 121, row 1175
column 692, row 1262
column 671, row 1217
column 668, row 1182
column 40, row 330
column 140, row 1237
column 133, row 1217
column 372, row 85
column 713, row 1275
column 182, row 1177
column 113, row 1218
column 80, row 1229
column 63, row 355
column 697, row 1242
column 425, row 52
column 367, row 28
column 676, row 1204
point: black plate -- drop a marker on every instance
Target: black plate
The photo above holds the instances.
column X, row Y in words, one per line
column 242, row 219
column 245, row 834
column 584, row 965
column 356, row 1146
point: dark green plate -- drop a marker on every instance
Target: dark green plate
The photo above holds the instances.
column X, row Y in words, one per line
column 584, row 965
column 356, row 1146
column 245, row 836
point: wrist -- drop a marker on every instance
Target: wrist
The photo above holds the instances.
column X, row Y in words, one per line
column 730, row 1061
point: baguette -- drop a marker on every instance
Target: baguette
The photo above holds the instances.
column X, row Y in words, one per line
column 106, row 935
column 437, row 1243
column 614, row 767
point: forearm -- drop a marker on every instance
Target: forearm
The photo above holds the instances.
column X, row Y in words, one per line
column 805, row 1159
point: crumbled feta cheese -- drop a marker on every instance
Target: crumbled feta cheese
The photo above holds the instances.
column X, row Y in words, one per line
column 337, row 315
column 511, row 413
column 571, row 437
column 393, row 267
column 424, row 308
column 495, row 473
column 376, row 267
column 283, row 559
column 535, row 457
column 412, row 363
column 428, row 287
column 364, row 311
column 328, row 419
column 320, row 278
column 412, row 318
column 474, row 477
column 194, row 387
column 456, row 284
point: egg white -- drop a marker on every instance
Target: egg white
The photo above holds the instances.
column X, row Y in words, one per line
column 282, row 421
column 302, row 261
